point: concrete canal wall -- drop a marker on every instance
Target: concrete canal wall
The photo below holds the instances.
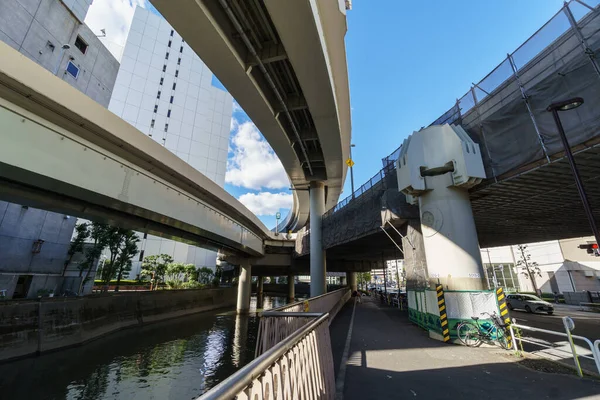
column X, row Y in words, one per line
column 32, row 327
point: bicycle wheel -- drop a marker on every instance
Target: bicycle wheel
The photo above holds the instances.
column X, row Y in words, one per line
column 468, row 334
column 502, row 340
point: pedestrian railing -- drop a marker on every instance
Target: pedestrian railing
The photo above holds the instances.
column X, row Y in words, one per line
column 569, row 325
column 298, row 367
column 279, row 323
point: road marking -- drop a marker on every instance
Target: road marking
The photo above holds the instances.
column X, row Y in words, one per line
column 339, row 382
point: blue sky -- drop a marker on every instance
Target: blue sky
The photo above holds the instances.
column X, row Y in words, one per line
column 408, row 62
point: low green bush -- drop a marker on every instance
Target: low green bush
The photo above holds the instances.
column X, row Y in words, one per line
column 124, row 282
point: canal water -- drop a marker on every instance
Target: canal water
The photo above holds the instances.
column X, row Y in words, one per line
column 178, row 359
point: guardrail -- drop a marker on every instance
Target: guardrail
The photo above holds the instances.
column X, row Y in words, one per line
column 298, row 367
column 569, row 325
column 280, row 322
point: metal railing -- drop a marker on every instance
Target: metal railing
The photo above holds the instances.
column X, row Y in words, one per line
column 567, row 19
column 279, row 323
column 594, row 347
column 298, row 367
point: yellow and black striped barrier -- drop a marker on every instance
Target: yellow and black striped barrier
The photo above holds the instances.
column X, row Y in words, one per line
column 504, row 316
column 443, row 312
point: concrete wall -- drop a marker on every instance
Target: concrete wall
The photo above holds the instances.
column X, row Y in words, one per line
column 38, row 29
column 20, row 228
column 32, row 327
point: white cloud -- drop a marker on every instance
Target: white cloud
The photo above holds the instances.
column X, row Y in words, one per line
column 266, row 203
column 253, row 165
column 236, row 107
column 115, row 16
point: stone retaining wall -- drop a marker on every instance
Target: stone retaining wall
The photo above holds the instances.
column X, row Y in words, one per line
column 30, row 327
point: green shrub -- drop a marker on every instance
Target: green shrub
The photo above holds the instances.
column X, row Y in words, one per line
column 124, row 282
column 193, row 285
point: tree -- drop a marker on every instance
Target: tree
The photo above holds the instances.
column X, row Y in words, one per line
column 155, row 267
column 99, row 234
column 127, row 250
column 528, row 268
column 77, row 244
column 175, row 275
column 205, row 275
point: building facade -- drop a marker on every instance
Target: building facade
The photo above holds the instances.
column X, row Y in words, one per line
column 165, row 90
column 564, row 266
column 33, row 242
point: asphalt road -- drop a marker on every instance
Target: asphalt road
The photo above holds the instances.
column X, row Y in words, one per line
column 587, row 324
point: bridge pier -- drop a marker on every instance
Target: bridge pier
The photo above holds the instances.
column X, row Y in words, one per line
column 436, row 167
column 260, row 285
column 291, row 288
column 244, row 288
column 352, row 281
column 318, row 282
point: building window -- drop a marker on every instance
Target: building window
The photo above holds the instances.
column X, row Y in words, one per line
column 181, row 49
column 174, row 85
column 176, row 73
column 165, row 68
column 171, row 100
column 156, row 108
column 161, row 81
column 166, row 127
column 172, row 31
column 179, row 61
column 81, row 44
column 158, row 95
column 169, row 43
column 141, row 255
column 169, row 114
column 167, row 56
column 152, row 123
column 73, row 69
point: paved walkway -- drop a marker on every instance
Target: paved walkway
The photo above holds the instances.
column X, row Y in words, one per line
column 390, row 358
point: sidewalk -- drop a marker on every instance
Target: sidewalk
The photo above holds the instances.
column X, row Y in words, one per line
column 390, row 358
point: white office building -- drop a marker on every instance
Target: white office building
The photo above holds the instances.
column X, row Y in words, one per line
column 167, row 92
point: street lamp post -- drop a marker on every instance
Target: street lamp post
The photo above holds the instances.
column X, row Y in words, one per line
column 352, row 171
column 566, row 105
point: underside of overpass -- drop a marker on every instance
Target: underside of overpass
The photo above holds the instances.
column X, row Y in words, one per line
column 285, row 64
column 529, row 194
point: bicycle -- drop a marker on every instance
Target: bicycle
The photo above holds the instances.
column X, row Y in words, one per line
column 472, row 335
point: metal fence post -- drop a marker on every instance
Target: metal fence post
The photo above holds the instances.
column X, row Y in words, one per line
column 569, row 324
column 586, row 49
column 529, row 110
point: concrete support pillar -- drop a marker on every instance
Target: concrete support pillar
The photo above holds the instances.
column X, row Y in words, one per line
column 415, row 263
column 318, row 283
column 259, row 285
column 291, row 288
column 450, row 236
column 352, row 281
column 436, row 168
column 244, row 288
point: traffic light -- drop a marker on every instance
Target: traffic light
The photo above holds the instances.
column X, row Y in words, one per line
column 591, row 248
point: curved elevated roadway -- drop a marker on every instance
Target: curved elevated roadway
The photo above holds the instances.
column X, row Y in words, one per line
column 64, row 152
column 285, row 64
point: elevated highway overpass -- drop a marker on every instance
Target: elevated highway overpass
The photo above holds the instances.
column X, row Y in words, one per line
column 64, row 152
column 529, row 193
column 285, row 64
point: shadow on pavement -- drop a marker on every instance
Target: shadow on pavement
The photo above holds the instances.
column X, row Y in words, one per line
column 392, row 358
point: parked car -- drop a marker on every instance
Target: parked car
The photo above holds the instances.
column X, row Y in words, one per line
column 529, row 303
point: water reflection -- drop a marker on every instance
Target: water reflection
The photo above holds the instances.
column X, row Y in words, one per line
column 177, row 359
